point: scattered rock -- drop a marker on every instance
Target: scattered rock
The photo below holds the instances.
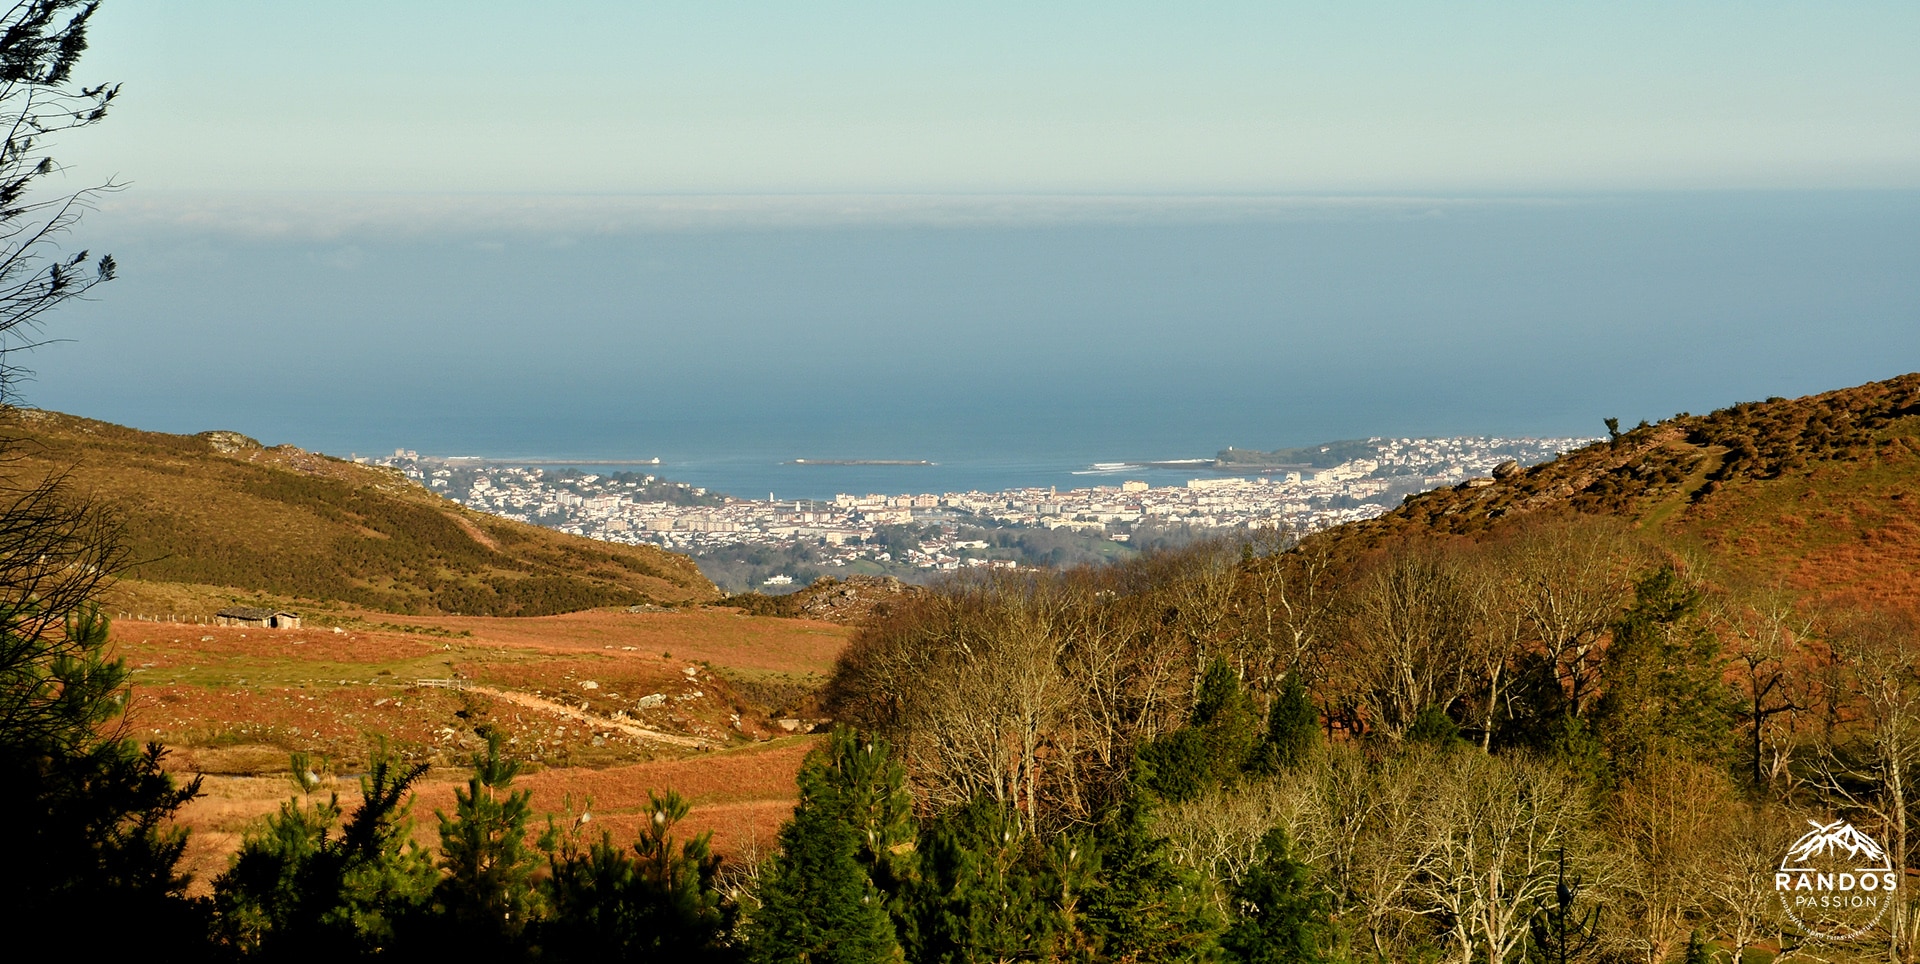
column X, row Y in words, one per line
column 853, row 600
column 227, row 443
column 1505, row 469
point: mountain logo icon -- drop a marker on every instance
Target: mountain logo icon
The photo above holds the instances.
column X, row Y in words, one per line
column 1836, row 881
column 1827, row 841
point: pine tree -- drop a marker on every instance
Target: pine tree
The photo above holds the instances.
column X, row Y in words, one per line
column 487, row 892
column 653, row 903
column 845, row 869
column 1698, row 951
column 261, row 890
column 682, row 909
column 1280, row 915
column 1212, row 749
column 1293, row 729
column 1434, row 727
column 297, row 890
column 856, row 777
column 817, row 905
column 1665, row 691
column 1142, row 905
column 87, row 809
column 987, row 892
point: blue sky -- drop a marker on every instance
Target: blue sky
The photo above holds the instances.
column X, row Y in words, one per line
column 767, row 96
column 1146, row 230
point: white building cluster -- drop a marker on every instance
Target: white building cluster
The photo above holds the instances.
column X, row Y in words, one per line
column 849, row 528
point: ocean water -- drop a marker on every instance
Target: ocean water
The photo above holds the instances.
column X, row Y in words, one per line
column 758, row 478
column 1009, row 348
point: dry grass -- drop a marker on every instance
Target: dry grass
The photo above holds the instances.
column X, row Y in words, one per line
column 284, row 525
column 741, row 796
column 1817, row 494
column 1842, row 532
column 719, row 636
column 233, row 703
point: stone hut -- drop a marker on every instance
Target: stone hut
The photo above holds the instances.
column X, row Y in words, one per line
column 259, row 618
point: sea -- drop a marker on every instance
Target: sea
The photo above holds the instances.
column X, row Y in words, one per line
column 759, row 478
column 1008, row 341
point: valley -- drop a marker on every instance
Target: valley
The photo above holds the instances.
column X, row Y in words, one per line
column 602, row 704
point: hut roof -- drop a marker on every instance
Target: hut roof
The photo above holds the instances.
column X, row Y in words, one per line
column 252, row 612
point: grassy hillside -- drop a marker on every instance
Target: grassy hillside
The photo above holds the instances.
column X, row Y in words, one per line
column 1821, row 492
column 218, row 510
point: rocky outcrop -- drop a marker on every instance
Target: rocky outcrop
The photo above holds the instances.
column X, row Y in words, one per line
column 227, row 443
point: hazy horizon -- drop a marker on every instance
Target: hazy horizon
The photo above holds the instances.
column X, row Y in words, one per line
column 985, row 231
column 1131, row 328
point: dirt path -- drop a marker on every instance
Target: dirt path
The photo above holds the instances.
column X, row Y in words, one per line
column 532, row 702
column 473, row 531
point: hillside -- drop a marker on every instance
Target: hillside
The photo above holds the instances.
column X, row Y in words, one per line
column 217, row 516
column 1820, row 492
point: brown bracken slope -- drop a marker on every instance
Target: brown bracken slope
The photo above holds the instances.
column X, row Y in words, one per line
column 220, row 510
column 1820, row 493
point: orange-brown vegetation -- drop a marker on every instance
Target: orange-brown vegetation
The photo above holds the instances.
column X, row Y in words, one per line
column 234, row 521
column 567, row 694
column 1817, row 493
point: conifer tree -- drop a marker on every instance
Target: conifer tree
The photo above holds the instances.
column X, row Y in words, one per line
column 842, row 878
column 297, row 890
column 487, row 893
column 817, row 904
column 1214, row 746
column 87, row 808
column 1434, row 727
column 1142, row 905
column 261, row 889
column 1665, row 691
column 986, row 893
column 857, row 778
column 1293, row 729
column 1698, row 951
column 655, row 903
column 1280, row 915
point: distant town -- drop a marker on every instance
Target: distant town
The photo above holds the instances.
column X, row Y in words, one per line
column 772, row 546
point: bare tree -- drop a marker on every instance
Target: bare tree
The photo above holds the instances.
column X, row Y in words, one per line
column 1195, row 589
column 1669, row 823
column 1288, row 593
column 1767, row 632
column 1219, row 832
column 1360, row 820
column 1570, row 580
column 56, row 555
column 1497, row 827
column 1128, row 684
column 985, row 692
column 1407, row 632
column 1868, row 764
column 1740, row 883
column 1500, row 634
